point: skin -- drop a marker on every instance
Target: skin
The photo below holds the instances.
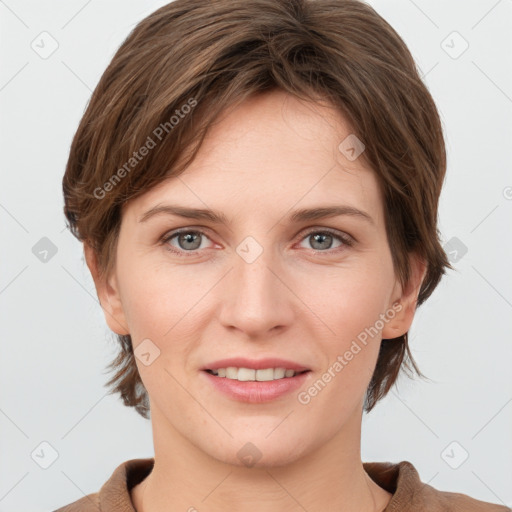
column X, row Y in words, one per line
column 298, row 300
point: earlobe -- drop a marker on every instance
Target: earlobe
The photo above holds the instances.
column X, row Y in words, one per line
column 404, row 306
column 108, row 295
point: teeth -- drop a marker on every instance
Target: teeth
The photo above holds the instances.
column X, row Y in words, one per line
column 249, row 374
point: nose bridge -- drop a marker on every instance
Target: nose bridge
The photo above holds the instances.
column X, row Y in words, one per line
column 254, row 276
column 258, row 298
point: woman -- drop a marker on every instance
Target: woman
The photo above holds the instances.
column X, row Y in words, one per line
column 256, row 186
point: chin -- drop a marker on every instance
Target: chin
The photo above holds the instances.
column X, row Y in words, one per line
column 258, row 452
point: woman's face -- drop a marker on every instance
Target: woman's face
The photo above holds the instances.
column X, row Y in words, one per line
column 261, row 285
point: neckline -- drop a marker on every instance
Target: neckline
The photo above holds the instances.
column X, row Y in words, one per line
column 384, row 474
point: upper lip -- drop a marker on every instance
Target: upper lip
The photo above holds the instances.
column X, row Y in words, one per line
column 259, row 364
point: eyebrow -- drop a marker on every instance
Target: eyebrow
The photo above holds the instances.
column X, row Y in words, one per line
column 305, row 214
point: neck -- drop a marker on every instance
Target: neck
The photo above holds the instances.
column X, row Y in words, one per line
column 330, row 477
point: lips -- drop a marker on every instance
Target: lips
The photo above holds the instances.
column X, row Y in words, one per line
column 255, row 392
column 260, row 364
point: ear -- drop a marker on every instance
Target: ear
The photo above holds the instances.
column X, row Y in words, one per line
column 108, row 293
column 405, row 300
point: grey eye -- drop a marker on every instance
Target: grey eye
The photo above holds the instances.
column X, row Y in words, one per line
column 189, row 240
column 321, row 240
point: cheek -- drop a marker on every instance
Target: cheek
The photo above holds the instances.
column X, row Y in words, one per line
column 162, row 304
column 351, row 309
column 155, row 298
column 350, row 355
column 347, row 300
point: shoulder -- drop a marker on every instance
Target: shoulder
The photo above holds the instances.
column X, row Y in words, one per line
column 410, row 493
column 114, row 495
column 456, row 501
column 89, row 503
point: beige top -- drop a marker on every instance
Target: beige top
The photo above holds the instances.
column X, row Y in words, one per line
column 401, row 480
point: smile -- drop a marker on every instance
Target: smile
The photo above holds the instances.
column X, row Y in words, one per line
column 250, row 374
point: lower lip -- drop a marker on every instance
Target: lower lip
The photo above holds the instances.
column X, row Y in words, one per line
column 256, row 391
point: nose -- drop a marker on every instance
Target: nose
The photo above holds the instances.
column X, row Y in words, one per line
column 256, row 298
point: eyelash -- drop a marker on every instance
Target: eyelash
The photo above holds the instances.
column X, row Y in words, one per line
column 347, row 240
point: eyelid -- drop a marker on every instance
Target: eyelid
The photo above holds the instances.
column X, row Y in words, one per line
column 342, row 235
column 169, row 235
column 348, row 240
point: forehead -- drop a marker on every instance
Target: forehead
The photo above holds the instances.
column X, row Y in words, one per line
column 273, row 152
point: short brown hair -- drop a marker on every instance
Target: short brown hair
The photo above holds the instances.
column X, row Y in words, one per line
column 213, row 55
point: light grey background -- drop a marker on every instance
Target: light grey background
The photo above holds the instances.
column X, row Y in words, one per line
column 54, row 340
